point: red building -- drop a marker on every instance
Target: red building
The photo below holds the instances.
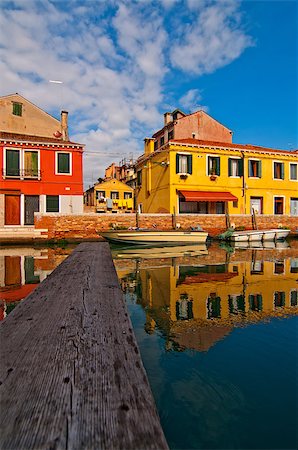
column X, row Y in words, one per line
column 41, row 169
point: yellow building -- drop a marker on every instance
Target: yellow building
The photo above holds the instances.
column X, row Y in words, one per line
column 113, row 196
column 197, row 305
column 190, row 175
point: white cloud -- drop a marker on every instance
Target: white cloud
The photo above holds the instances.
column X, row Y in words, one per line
column 113, row 58
column 213, row 40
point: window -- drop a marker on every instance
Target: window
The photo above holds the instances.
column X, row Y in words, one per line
column 213, row 165
column 278, row 171
column 294, row 171
column 63, row 163
column 294, row 206
column 21, row 163
column 171, row 135
column 17, row 109
column 213, row 306
column 162, row 141
column 254, row 168
column 279, row 267
column 294, row 265
column 127, row 195
column 30, row 164
column 183, row 163
column 139, row 178
column 294, row 298
column 235, row 167
column 12, row 163
column 155, row 145
column 184, row 309
column 236, row 304
column 278, row 205
column 279, row 299
column 114, row 195
column 100, row 194
column 52, row 203
column 255, row 302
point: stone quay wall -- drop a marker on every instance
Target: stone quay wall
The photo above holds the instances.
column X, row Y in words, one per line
column 87, row 226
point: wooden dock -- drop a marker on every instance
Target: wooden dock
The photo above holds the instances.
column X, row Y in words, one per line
column 71, row 374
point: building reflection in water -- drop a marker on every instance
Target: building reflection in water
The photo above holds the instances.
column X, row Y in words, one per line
column 197, row 301
column 22, row 269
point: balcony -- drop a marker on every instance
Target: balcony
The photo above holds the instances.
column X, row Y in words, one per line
column 22, row 174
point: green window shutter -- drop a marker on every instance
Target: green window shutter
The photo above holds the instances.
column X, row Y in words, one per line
column 17, row 109
column 217, row 166
column 177, row 162
column 12, row 162
column 240, row 167
column 260, row 169
column 52, row 203
column 260, row 302
column 282, row 171
column 189, row 164
column 34, row 156
column 230, row 167
column 63, row 163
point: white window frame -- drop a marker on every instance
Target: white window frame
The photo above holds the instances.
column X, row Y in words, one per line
column 278, row 162
column 212, row 155
column 21, row 151
column 294, row 164
column 70, row 163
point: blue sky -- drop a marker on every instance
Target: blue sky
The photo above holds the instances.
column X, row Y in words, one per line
column 123, row 63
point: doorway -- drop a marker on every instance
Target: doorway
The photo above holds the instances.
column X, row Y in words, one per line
column 12, row 209
column 31, row 206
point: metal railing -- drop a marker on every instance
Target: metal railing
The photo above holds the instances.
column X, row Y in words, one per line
column 22, row 174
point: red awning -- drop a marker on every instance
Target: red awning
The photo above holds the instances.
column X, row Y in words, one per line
column 208, row 196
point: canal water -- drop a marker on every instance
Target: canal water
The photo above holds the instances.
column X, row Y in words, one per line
column 217, row 330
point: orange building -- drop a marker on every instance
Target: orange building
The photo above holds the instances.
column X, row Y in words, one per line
column 41, row 169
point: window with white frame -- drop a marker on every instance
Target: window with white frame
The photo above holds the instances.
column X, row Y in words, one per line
column 294, row 206
column 294, row 171
column 278, row 170
column 235, row 167
column 183, row 163
column 21, row 163
column 63, row 163
column 254, row 168
column 213, row 165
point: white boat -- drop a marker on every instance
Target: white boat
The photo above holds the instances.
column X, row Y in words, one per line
column 258, row 235
column 149, row 237
column 281, row 233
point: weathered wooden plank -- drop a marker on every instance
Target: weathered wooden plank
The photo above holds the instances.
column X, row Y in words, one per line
column 71, row 373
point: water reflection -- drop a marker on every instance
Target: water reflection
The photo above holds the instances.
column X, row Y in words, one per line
column 197, row 299
column 22, row 269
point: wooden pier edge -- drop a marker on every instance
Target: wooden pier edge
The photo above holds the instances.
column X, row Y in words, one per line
column 71, row 373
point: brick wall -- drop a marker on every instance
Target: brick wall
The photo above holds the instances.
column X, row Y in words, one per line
column 86, row 226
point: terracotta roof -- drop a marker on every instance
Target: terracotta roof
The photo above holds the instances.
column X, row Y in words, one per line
column 4, row 136
column 228, row 145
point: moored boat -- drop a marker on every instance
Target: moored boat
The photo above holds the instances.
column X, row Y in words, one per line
column 149, row 237
column 255, row 235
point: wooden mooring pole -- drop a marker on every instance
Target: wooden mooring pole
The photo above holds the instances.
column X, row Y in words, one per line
column 71, row 373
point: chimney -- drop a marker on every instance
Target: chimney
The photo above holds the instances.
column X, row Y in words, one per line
column 64, row 125
column 148, row 146
column 167, row 118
